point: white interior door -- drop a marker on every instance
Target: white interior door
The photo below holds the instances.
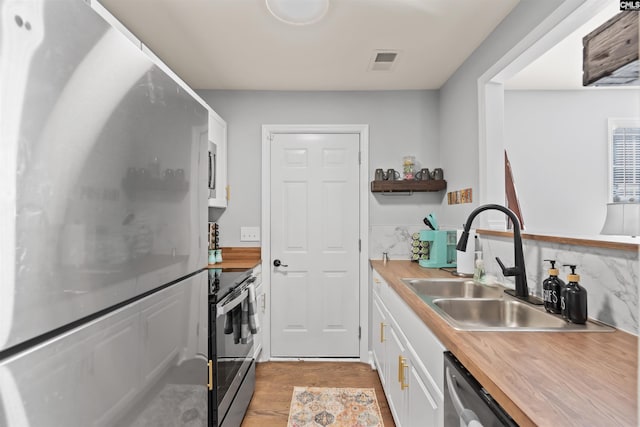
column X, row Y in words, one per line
column 315, row 236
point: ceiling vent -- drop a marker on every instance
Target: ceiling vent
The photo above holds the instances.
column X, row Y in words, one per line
column 383, row 60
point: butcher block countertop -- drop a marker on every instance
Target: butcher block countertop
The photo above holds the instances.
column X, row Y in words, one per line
column 539, row 378
column 238, row 258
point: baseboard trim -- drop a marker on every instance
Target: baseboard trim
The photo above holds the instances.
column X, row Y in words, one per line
column 314, row 359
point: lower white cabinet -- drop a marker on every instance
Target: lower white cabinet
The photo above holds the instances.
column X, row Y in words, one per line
column 380, row 326
column 424, row 406
column 261, row 300
column 412, row 379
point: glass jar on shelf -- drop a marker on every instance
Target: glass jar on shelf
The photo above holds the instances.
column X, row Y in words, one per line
column 408, row 165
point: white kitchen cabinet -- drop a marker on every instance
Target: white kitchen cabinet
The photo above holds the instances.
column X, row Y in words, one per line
column 261, row 301
column 218, row 137
column 408, row 369
column 424, row 405
column 380, row 328
column 395, row 389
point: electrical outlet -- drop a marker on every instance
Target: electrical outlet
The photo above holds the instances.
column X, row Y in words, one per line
column 249, row 234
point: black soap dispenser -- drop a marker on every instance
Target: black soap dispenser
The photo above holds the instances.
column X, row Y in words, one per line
column 552, row 289
column 574, row 299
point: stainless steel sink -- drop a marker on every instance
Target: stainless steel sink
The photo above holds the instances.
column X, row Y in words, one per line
column 452, row 288
column 505, row 314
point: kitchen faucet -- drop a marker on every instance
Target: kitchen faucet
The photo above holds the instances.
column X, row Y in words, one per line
column 522, row 290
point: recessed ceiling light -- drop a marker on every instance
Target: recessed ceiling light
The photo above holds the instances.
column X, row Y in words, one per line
column 298, row 12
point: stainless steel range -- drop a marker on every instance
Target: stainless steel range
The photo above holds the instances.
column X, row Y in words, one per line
column 231, row 346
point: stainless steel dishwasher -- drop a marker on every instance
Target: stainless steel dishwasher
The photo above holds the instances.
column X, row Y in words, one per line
column 466, row 402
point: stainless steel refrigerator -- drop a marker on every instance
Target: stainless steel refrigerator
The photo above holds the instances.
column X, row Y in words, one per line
column 103, row 217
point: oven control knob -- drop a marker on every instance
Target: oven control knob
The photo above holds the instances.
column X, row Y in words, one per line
column 278, row 263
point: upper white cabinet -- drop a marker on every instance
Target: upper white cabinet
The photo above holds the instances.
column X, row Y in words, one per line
column 218, row 161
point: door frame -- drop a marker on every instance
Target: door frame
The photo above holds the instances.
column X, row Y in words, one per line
column 265, row 238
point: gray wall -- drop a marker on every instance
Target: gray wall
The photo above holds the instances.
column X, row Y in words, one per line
column 400, row 123
column 558, row 148
column 459, row 102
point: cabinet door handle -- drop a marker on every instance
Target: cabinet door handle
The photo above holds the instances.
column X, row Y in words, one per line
column 210, row 383
column 403, row 366
column 382, row 325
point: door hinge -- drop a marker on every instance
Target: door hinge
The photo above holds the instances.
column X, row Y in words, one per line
column 359, row 157
column 359, row 332
column 359, row 245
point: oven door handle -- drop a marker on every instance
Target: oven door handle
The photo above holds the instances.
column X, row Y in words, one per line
column 230, row 305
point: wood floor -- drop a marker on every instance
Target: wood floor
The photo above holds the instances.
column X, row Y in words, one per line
column 275, row 381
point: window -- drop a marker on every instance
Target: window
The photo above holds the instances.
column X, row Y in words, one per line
column 624, row 160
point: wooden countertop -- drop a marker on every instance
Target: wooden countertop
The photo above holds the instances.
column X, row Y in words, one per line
column 539, row 378
column 238, row 258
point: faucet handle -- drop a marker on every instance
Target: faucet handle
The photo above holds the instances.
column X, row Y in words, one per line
column 508, row 271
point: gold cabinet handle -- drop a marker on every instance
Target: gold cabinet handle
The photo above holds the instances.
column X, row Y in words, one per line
column 402, row 365
column 210, row 383
column 382, row 325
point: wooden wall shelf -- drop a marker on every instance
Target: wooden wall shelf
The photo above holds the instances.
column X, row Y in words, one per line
column 402, row 186
column 623, row 246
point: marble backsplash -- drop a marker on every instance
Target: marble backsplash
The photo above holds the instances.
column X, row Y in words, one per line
column 610, row 276
column 393, row 239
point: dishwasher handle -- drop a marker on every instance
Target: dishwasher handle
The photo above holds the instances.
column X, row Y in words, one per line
column 468, row 418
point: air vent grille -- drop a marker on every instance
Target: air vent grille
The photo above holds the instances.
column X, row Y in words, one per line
column 386, row 57
column 383, row 60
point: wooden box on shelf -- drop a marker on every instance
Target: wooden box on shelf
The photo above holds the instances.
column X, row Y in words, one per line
column 405, row 186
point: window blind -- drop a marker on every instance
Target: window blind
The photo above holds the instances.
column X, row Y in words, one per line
column 625, row 164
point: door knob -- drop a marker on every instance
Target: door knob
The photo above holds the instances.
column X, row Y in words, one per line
column 278, row 263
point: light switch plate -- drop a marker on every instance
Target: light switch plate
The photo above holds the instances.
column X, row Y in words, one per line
column 249, row 234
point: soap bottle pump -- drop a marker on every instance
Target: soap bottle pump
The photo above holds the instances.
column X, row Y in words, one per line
column 574, row 299
column 552, row 288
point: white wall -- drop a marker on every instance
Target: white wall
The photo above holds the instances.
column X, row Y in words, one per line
column 400, row 123
column 459, row 102
column 557, row 146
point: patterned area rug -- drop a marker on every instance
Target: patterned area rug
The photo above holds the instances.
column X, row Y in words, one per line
column 334, row 407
